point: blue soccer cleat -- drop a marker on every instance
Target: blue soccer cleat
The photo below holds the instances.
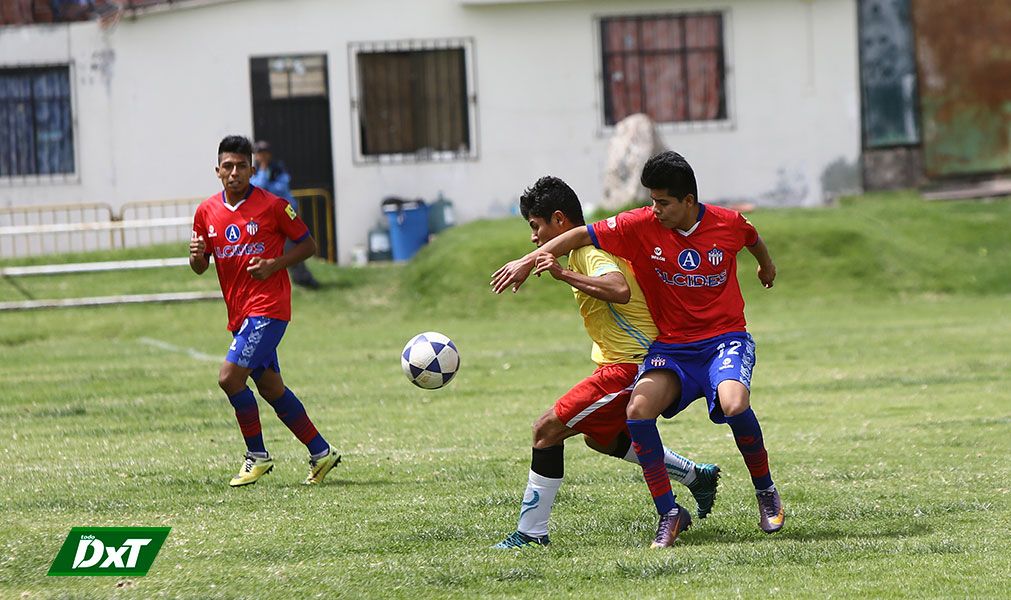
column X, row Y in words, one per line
column 703, row 489
column 520, row 541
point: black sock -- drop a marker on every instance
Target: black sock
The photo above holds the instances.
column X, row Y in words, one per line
column 621, row 445
column 548, row 462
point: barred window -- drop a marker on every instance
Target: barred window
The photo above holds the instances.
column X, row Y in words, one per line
column 36, row 125
column 413, row 101
column 670, row 67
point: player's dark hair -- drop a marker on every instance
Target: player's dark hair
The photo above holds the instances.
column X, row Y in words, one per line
column 671, row 172
column 236, row 144
column 547, row 195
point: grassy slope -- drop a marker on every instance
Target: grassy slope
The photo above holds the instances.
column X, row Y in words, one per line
column 882, row 386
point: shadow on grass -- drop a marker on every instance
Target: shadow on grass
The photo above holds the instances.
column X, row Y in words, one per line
column 805, row 532
column 286, row 482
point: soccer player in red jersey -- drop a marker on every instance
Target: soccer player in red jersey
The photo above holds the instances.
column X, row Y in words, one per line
column 616, row 319
column 684, row 256
column 244, row 228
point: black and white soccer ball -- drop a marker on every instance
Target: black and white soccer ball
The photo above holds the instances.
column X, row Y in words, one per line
column 430, row 360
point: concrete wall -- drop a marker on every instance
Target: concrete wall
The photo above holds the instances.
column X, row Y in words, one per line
column 154, row 95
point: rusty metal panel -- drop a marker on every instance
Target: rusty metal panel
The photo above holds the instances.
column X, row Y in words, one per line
column 963, row 54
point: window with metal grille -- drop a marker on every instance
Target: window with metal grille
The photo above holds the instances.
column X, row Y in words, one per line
column 413, row 101
column 670, row 67
column 36, row 124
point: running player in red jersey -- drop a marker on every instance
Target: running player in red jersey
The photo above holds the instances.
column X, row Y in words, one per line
column 244, row 228
column 684, row 256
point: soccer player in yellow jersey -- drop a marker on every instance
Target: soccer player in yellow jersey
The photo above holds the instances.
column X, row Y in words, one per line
column 617, row 320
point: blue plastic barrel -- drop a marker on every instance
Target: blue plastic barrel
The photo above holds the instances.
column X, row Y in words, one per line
column 408, row 221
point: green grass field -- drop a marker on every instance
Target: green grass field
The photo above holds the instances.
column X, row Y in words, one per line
column 882, row 385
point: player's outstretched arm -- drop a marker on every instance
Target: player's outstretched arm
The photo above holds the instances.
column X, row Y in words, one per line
column 514, row 273
column 198, row 256
column 610, row 287
column 766, row 268
column 577, row 237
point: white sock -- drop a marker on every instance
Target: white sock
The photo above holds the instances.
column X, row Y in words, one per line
column 681, row 469
column 537, row 501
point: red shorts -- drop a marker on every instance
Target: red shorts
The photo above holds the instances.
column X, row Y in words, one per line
column 596, row 405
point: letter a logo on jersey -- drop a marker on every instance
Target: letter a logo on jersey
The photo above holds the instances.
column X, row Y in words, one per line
column 689, row 259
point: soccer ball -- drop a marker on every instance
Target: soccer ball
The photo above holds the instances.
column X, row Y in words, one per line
column 430, row 360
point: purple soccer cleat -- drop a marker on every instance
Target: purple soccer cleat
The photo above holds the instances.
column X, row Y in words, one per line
column 771, row 511
column 670, row 527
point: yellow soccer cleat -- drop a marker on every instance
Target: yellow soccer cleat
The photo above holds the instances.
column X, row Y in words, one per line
column 252, row 469
column 318, row 468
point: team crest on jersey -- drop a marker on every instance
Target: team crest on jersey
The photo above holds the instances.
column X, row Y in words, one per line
column 232, row 233
column 715, row 256
column 689, row 259
column 658, row 361
column 290, row 212
column 252, row 228
column 211, row 232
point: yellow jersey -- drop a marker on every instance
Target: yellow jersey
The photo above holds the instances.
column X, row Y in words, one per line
column 621, row 333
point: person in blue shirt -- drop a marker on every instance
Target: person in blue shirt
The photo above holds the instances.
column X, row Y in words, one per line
column 272, row 176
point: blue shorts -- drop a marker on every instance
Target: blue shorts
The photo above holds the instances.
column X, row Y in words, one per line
column 701, row 366
column 254, row 345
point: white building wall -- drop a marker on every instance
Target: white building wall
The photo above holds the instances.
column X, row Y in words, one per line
column 155, row 95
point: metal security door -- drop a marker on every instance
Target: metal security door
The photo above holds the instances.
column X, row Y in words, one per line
column 291, row 110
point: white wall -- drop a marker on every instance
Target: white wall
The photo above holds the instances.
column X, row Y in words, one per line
column 155, row 95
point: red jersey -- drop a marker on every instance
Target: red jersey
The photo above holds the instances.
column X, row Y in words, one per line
column 689, row 278
column 257, row 226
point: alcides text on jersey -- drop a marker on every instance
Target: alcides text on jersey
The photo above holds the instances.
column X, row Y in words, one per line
column 693, row 281
column 238, row 250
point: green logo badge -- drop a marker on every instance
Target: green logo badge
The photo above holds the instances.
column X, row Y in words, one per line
column 109, row 551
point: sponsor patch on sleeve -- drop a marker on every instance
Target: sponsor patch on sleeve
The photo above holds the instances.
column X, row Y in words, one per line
column 291, row 212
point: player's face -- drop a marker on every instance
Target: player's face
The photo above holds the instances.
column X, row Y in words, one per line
column 671, row 212
column 543, row 231
column 234, row 172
